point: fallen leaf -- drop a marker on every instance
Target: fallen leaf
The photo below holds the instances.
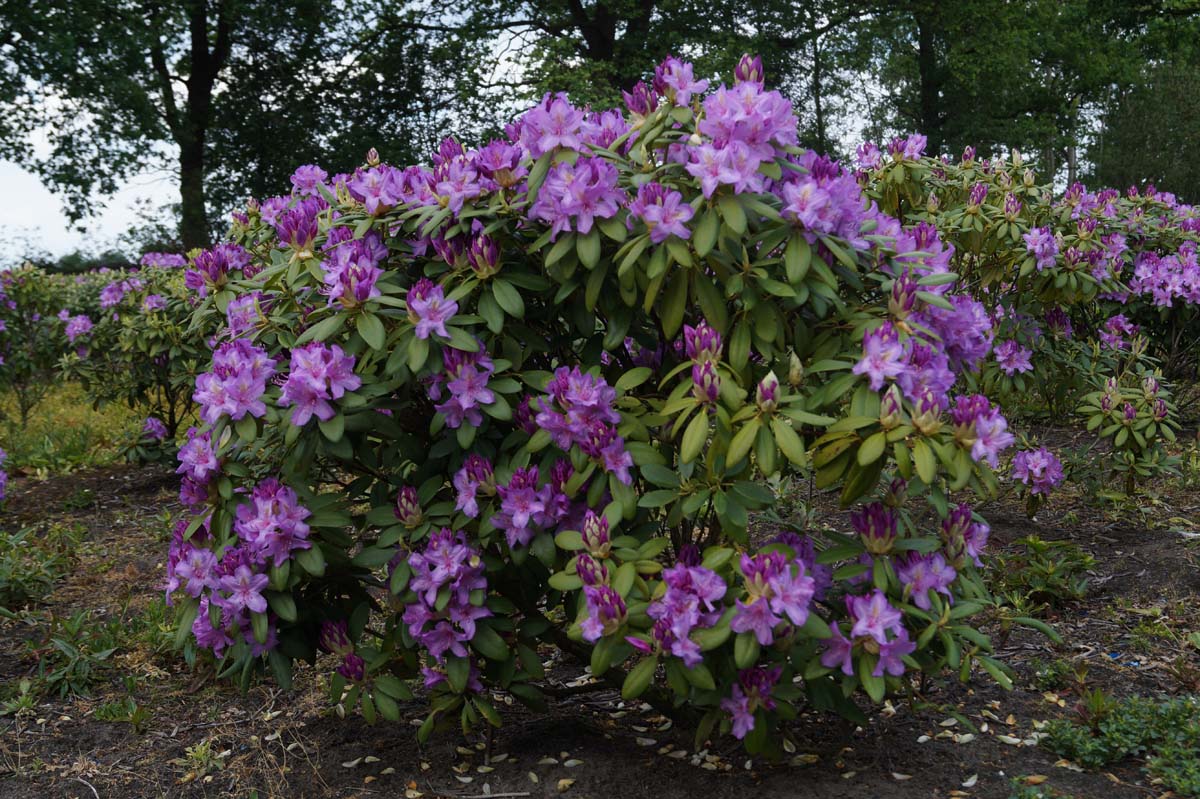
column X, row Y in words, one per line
column 564, row 785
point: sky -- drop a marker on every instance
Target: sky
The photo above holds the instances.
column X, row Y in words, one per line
column 30, row 212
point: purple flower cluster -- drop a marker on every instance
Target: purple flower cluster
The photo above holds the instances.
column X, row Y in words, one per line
column 525, row 506
column 243, row 313
column 352, row 267
column 236, row 383
column 575, row 195
column 579, row 411
column 922, row 573
column 776, row 588
column 751, row 692
column 1116, row 332
column 476, row 475
column 77, row 326
column 319, row 373
column 163, row 260
column 1170, row 277
column 663, row 211
column 1040, row 469
column 745, row 125
column 451, row 568
column 980, row 428
column 604, row 612
column 691, row 602
column 1043, row 246
column 883, row 356
column 875, row 627
column 272, row 525
column 211, row 268
column 154, row 429
column 1013, row 358
column 429, row 309
column 465, row 377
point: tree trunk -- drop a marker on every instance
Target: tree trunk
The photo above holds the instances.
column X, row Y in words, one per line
column 817, row 92
column 928, row 86
column 193, row 222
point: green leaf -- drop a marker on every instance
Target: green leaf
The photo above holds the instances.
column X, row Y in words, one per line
column 588, row 248
column 639, row 677
column 283, row 605
column 694, row 437
column 488, row 643
column 509, row 298
column 371, row 330
column 333, row 428
column 742, row 441
column 872, row 449
column 745, row 650
column 732, row 213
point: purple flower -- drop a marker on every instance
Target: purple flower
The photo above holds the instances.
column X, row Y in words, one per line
column 429, row 309
column 552, row 124
column 1043, row 246
column 872, row 616
column 674, row 79
column 154, row 429
column 245, row 590
column 235, row 385
column 1040, row 469
column 663, row 211
column 77, row 326
column 776, row 587
column 197, row 460
column 922, row 573
column 573, row 196
column 883, row 356
column 272, row 525
column 981, row 428
column 318, row 374
column 521, row 504
column 475, row 475
column 466, row 376
column 1013, row 358
column 751, row 692
column 197, row 570
column 605, row 612
column 308, row 178
column 154, row 302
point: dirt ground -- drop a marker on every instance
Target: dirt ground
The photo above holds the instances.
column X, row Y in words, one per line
column 957, row 741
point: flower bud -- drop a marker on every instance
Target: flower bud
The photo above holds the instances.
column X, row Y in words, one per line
column 891, row 412
column 1150, row 387
column 706, row 383
column 795, row 371
column 977, row 195
column 1129, row 413
column 353, row 668
column 373, row 157
column 335, row 638
column 1017, row 158
column 897, row 492
column 1159, row 409
column 484, row 256
column 702, row 342
column 595, row 534
column 1028, row 178
column 749, row 70
column 1012, row 207
column 968, row 154
column 904, row 296
column 876, row 525
column 932, row 203
column 408, row 507
column 590, row 571
column 927, row 414
column 767, row 395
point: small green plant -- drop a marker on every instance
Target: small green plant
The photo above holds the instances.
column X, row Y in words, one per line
column 31, row 560
column 21, row 703
column 70, row 658
column 1042, row 575
column 126, row 710
column 1057, row 674
column 1165, row 734
column 202, row 758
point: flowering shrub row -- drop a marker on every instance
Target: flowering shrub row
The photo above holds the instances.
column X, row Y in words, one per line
column 537, row 393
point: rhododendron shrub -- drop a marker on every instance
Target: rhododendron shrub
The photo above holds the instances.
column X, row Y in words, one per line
column 141, row 347
column 1068, row 284
column 535, row 393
